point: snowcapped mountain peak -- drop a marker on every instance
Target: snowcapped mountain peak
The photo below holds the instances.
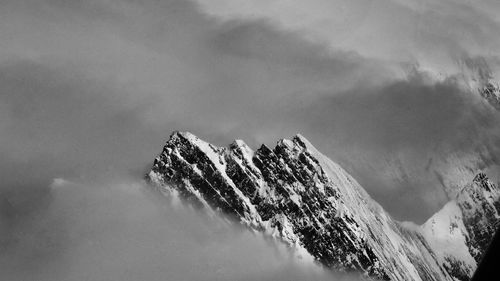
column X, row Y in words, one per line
column 296, row 143
column 479, row 203
column 297, row 194
column 462, row 230
column 240, row 144
column 301, row 140
column 241, row 149
column 181, row 134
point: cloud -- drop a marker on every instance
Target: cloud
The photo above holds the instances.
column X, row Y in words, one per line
column 433, row 33
column 119, row 230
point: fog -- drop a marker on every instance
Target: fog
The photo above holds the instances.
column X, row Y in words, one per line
column 123, row 231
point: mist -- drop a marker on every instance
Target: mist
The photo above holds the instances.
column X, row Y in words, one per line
column 123, row 231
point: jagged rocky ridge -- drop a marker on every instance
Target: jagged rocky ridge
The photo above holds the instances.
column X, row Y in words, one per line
column 296, row 193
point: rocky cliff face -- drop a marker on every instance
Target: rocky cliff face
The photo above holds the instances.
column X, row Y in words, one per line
column 299, row 195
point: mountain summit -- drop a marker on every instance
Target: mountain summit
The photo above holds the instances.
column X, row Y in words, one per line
column 301, row 196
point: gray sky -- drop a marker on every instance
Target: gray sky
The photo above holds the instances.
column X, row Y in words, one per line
column 90, row 90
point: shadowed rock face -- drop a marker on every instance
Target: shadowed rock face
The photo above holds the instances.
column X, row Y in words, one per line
column 299, row 195
column 480, row 207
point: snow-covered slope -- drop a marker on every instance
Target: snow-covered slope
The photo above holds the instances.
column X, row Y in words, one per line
column 299, row 195
column 462, row 230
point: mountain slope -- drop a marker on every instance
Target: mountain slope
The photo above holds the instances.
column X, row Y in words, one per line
column 298, row 194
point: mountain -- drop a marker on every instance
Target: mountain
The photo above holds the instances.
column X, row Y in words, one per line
column 462, row 230
column 299, row 195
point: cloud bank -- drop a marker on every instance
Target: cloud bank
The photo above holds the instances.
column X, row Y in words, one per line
column 119, row 231
column 437, row 35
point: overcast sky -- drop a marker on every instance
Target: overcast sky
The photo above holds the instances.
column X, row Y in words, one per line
column 90, row 90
